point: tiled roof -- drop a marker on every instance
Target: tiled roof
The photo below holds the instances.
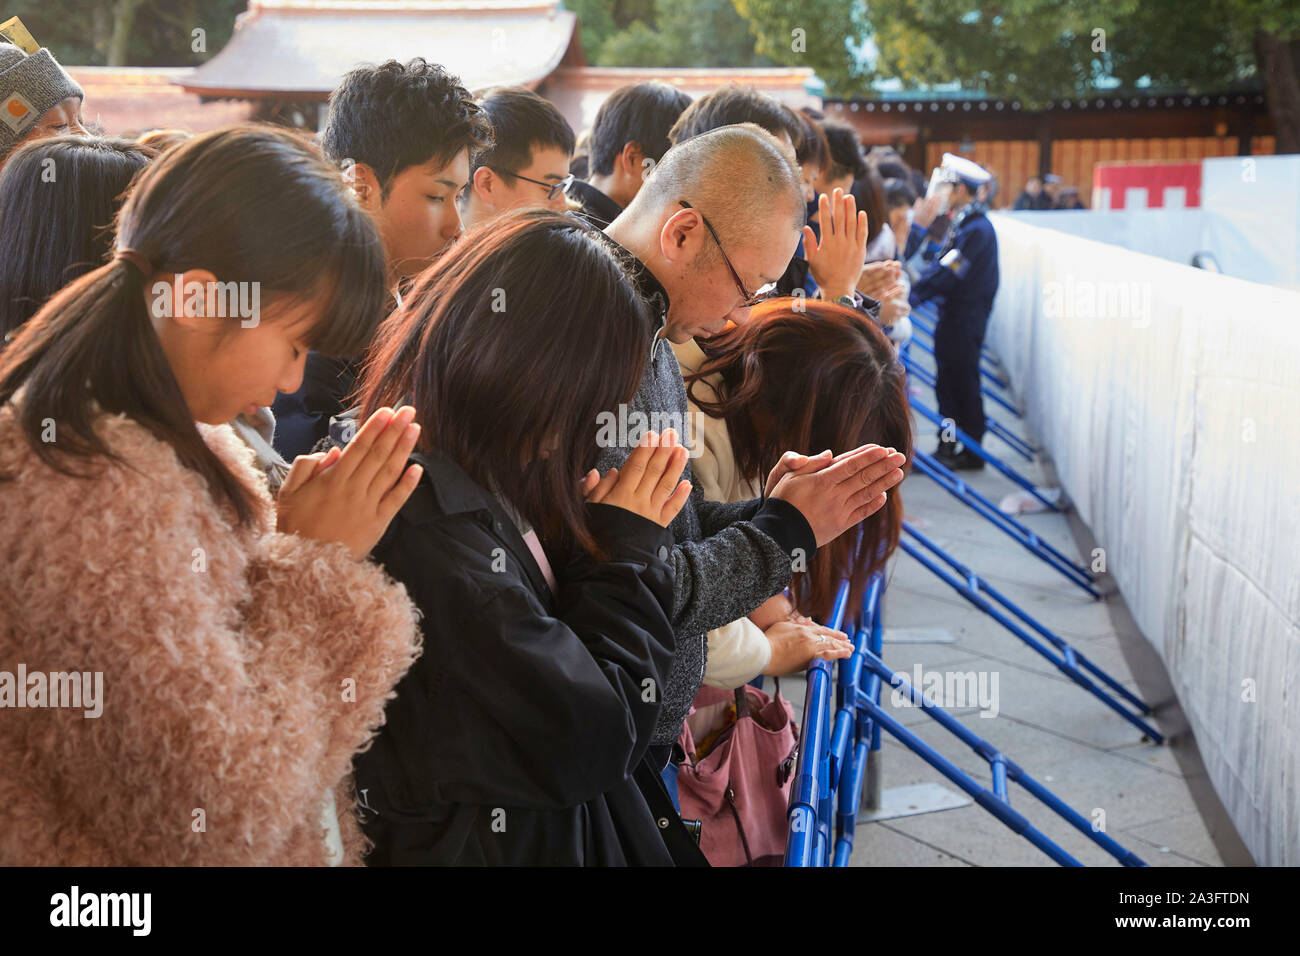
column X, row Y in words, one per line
column 289, row 47
column 129, row 100
column 708, row 78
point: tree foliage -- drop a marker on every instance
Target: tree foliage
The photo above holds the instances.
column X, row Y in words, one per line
column 1033, row 50
column 824, row 35
column 1039, row 50
column 688, row 33
column 160, row 32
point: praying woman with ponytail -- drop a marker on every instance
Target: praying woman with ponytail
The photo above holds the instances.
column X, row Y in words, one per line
column 245, row 645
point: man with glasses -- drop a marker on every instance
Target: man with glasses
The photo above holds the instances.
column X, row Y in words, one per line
column 709, row 233
column 828, row 261
column 747, row 299
column 528, row 164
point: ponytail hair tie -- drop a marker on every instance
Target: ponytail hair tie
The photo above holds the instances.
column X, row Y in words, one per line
column 136, row 259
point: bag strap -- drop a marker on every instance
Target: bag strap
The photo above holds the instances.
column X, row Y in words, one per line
column 742, row 703
column 740, row 827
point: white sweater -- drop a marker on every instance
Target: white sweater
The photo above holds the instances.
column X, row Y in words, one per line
column 739, row 651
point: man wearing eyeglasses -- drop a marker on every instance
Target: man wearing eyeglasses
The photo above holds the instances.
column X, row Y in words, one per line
column 706, row 237
column 528, row 164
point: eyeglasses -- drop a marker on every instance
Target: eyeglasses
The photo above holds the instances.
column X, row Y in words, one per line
column 552, row 189
column 747, row 299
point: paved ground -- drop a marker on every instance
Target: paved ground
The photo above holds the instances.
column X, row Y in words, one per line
column 1154, row 797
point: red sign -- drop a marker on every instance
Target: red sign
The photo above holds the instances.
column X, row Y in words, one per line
column 1111, row 183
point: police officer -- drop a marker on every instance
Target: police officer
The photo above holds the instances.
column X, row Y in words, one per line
column 964, row 275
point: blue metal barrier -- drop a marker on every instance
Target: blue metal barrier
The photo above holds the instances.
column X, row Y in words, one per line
column 811, row 791
column 931, row 467
column 974, row 446
column 950, row 482
column 832, row 765
column 995, row 801
column 993, row 377
column 1018, row 444
column 1069, row 661
column 840, row 748
column 926, row 317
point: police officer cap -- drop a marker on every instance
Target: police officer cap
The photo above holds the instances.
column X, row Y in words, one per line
column 962, row 170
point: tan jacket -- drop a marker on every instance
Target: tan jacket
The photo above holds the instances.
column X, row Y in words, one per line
column 242, row 668
column 739, row 651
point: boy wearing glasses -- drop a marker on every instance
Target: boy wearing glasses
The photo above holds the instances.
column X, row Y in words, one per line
column 528, row 163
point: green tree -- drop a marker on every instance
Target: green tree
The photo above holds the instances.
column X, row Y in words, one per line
column 701, row 33
column 595, row 23
column 1034, row 50
column 824, row 35
column 1039, row 50
column 129, row 32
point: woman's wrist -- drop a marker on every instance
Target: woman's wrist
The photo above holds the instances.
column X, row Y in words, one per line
column 624, row 534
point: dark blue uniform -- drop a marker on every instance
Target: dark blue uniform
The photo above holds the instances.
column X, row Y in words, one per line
column 964, row 274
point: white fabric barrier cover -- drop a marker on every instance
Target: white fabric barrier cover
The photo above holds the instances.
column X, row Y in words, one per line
column 1174, row 234
column 1252, row 207
column 1249, row 219
column 1169, row 400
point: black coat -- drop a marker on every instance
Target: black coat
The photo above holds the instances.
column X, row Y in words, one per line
column 597, row 208
column 519, row 735
column 302, row 418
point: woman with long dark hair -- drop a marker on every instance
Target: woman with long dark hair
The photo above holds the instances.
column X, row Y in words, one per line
column 520, row 735
column 215, row 658
column 807, row 376
column 58, row 199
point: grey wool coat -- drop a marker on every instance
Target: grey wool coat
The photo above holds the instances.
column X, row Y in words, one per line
column 729, row 557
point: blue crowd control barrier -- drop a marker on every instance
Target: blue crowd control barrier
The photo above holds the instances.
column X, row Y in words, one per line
column 1068, row 661
column 1017, row 444
column 1022, row 447
column 859, row 682
column 950, row 482
column 927, row 323
column 928, row 317
column 993, row 377
column 995, row 801
column 974, row 446
column 849, row 795
column 811, row 791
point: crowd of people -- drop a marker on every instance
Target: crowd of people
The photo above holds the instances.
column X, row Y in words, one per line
column 407, row 482
column 1047, row 192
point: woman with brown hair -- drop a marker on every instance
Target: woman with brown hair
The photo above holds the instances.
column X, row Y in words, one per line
column 808, row 376
column 520, row 736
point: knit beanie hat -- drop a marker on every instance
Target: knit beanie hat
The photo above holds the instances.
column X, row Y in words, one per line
column 30, row 86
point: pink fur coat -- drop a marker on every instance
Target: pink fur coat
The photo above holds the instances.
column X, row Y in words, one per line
column 242, row 668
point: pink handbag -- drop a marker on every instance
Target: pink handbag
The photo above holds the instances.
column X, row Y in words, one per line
column 739, row 786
